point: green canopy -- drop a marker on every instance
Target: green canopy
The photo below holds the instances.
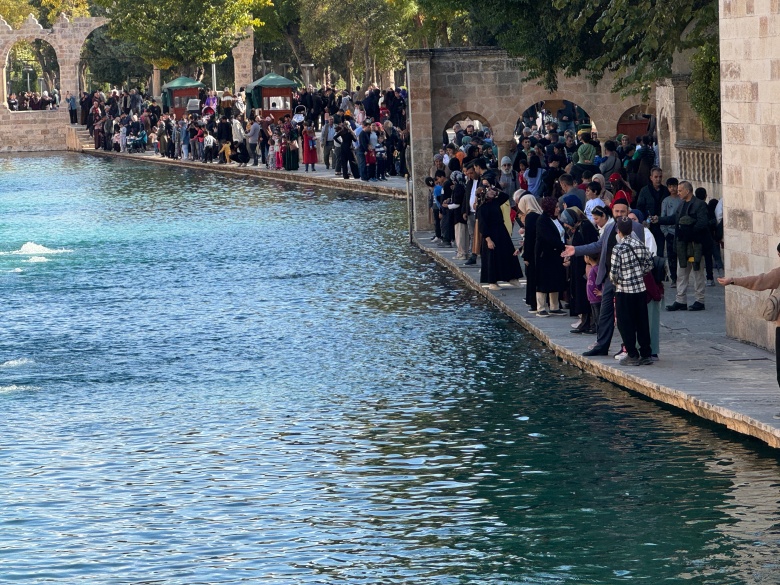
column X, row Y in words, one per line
column 271, row 80
column 254, row 90
column 182, row 83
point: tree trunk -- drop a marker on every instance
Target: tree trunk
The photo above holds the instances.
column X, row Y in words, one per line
column 82, row 75
column 444, row 34
column 367, row 67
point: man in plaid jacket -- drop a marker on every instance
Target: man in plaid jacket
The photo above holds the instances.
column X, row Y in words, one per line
column 631, row 260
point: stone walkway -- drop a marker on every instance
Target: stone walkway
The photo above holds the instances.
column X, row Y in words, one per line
column 700, row 369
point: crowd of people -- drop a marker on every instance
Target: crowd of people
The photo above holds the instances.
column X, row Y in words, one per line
column 601, row 233
column 359, row 134
column 32, row 100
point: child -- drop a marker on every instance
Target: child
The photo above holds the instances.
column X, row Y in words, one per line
column 371, row 163
column 271, row 158
column 381, row 157
column 224, row 154
column 153, row 140
column 280, row 154
column 592, row 194
column 593, row 290
column 209, row 146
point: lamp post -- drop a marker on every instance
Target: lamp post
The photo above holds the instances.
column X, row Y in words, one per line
column 307, row 70
column 27, row 69
column 267, row 66
column 284, row 67
column 213, row 72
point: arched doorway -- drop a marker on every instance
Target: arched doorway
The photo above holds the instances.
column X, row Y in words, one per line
column 635, row 121
column 107, row 64
column 567, row 115
column 469, row 122
column 32, row 75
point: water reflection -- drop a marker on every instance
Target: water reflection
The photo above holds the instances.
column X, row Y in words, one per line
column 240, row 383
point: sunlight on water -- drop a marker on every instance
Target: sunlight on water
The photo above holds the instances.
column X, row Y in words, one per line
column 216, row 380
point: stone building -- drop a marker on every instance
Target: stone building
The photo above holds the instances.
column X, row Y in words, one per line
column 750, row 121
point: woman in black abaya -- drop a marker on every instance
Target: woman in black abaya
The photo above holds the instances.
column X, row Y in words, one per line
column 499, row 257
column 528, row 212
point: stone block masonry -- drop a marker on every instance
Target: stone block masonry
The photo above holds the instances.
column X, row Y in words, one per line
column 750, row 95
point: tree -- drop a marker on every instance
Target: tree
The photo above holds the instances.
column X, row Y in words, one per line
column 182, row 33
column 112, row 62
column 637, row 39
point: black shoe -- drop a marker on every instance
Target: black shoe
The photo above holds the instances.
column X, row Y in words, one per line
column 645, row 361
column 595, row 352
column 445, row 245
column 558, row 312
column 577, row 331
column 697, row 306
column 470, row 262
column 675, row 306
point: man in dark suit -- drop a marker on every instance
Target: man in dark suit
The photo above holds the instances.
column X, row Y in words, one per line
column 605, row 328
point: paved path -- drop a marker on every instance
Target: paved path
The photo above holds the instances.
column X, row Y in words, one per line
column 700, row 370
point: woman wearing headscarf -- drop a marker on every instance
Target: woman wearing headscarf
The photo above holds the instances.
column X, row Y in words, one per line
column 550, row 274
column 528, row 213
column 580, row 231
column 499, row 257
column 606, row 195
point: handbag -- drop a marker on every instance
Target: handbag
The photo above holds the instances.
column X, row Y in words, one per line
column 770, row 308
column 293, row 145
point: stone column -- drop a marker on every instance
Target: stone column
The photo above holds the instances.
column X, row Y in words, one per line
column 242, row 60
column 156, row 91
column 750, row 123
column 420, row 123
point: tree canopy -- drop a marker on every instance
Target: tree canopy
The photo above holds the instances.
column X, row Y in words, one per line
column 181, row 33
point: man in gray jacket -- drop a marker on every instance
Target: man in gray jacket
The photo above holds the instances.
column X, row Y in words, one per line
column 605, row 328
column 690, row 223
column 327, row 136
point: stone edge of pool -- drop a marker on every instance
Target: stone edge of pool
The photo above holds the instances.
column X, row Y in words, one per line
column 731, row 419
column 297, row 177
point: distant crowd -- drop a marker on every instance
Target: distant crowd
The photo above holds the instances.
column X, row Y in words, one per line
column 359, row 134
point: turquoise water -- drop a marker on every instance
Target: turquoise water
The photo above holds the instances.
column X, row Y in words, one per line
column 205, row 379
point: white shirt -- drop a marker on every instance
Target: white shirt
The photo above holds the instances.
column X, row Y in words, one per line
column 473, row 198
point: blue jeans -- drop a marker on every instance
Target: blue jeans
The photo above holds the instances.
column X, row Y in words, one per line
column 253, row 152
column 605, row 328
column 361, row 158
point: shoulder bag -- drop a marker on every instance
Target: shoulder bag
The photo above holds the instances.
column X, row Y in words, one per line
column 770, row 308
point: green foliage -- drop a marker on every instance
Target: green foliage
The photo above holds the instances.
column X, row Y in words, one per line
column 15, row 11
column 111, row 61
column 704, row 90
column 181, row 33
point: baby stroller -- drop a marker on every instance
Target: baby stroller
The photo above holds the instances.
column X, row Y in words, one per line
column 138, row 144
column 300, row 114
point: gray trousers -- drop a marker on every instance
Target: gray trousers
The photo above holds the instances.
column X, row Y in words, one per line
column 684, row 275
column 326, row 153
column 605, row 328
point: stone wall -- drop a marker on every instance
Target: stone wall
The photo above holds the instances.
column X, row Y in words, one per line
column 685, row 150
column 486, row 82
column 750, row 98
column 33, row 131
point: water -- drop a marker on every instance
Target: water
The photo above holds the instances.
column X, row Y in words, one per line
column 206, row 379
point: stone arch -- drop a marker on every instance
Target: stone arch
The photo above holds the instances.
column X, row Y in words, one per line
column 66, row 38
column 465, row 115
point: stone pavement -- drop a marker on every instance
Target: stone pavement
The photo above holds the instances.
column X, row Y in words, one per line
column 700, row 369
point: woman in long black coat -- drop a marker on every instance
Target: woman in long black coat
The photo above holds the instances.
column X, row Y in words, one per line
column 528, row 212
column 581, row 232
column 550, row 273
column 499, row 258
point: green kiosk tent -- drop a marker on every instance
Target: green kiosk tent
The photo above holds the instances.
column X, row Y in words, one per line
column 178, row 92
column 271, row 94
